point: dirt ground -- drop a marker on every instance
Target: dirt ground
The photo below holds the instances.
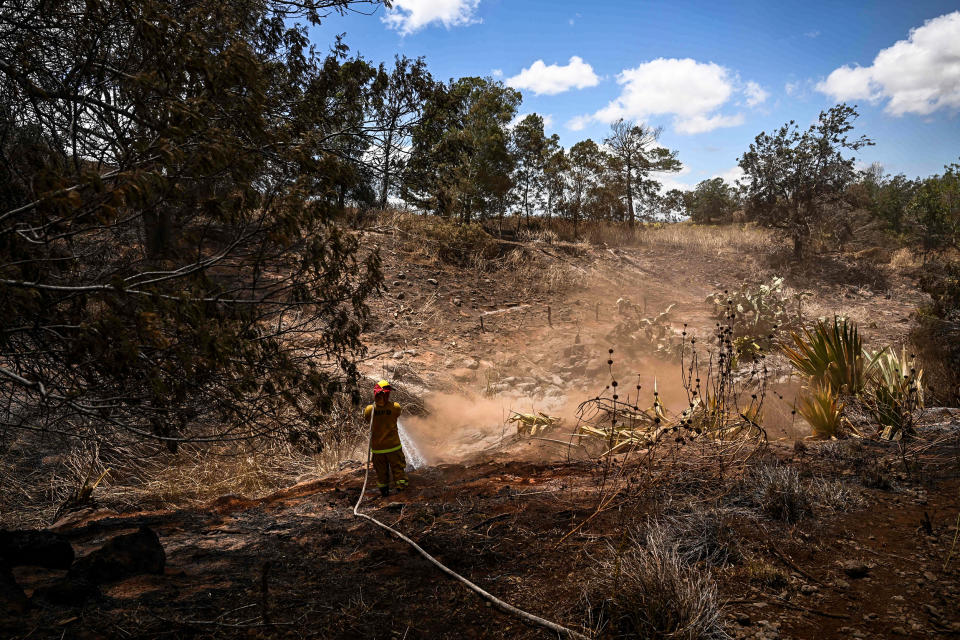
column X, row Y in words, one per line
column 519, row 516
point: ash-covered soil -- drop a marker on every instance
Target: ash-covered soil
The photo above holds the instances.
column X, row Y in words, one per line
column 875, row 564
column 875, row 555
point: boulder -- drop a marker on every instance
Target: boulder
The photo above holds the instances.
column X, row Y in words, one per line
column 35, row 549
column 855, row 569
column 122, row 557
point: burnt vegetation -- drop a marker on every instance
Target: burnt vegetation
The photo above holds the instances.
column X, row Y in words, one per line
column 196, row 204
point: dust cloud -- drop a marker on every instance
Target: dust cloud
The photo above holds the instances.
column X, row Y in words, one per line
column 459, row 426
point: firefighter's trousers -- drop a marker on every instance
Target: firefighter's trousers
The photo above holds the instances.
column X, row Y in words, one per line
column 389, row 463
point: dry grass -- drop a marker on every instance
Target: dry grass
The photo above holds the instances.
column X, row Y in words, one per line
column 536, row 275
column 649, row 591
column 197, row 475
column 736, row 239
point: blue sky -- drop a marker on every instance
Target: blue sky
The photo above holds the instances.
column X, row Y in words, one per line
column 713, row 75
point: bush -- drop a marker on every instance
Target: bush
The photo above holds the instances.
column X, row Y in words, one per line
column 896, row 391
column 937, row 335
column 836, row 495
column 781, row 495
column 450, row 242
column 822, row 409
column 755, row 313
column 702, row 535
column 648, row 591
column 831, row 354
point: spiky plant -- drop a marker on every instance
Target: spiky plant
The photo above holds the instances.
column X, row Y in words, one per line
column 822, row 408
column 832, row 354
column 896, row 391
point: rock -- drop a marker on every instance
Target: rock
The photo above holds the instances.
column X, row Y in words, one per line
column 808, row 589
column 742, row 619
column 855, row 569
column 396, row 283
column 401, row 295
column 899, row 631
column 35, row 549
column 71, row 591
column 929, row 576
column 433, row 282
column 401, row 276
column 13, row 601
column 457, row 302
column 471, row 364
column 122, row 557
column 397, row 355
column 841, row 584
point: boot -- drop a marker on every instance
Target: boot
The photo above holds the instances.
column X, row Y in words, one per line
column 384, row 492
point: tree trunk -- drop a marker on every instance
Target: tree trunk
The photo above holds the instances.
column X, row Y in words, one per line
column 526, row 200
column 798, row 245
column 630, row 192
column 158, row 232
column 385, row 187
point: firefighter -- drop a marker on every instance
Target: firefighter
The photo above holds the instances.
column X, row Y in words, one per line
column 385, row 442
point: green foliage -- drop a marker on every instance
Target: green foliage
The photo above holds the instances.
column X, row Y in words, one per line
column 792, row 179
column 937, row 334
column 935, row 208
column 460, row 162
column 152, row 256
column 822, row 408
column 889, row 197
column 395, row 109
column 755, row 314
column 711, row 201
column 532, row 148
column 453, row 243
column 832, row 354
column 586, row 161
column 896, row 391
column 634, row 154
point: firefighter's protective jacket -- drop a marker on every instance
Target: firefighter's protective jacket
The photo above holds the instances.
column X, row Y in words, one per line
column 386, row 438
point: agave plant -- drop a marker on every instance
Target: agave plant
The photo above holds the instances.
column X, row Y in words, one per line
column 896, row 391
column 822, row 408
column 832, row 355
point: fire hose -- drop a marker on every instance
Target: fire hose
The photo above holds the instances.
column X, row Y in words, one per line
column 492, row 599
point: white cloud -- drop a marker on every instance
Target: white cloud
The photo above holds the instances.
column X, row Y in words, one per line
column 791, row 87
column 578, row 123
column 496, row 73
column 691, row 91
column 702, row 124
column 755, row 94
column 731, row 175
column 812, row 34
column 552, row 79
column 408, row 16
column 547, row 120
column 918, row 75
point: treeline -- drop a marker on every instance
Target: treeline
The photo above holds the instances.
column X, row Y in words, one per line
column 459, row 150
column 807, row 184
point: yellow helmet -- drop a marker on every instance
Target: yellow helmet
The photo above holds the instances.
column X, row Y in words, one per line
column 382, row 387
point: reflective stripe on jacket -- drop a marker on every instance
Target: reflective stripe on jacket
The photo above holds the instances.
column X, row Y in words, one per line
column 386, row 438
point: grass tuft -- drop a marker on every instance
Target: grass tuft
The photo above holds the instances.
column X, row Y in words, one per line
column 649, row 591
